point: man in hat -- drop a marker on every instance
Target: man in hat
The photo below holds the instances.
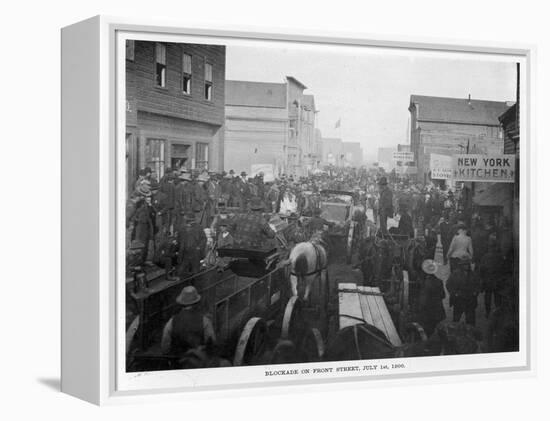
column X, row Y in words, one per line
column 145, row 224
column 224, row 237
column 190, row 328
column 385, row 204
column 460, row 247
column 432, row 294
column 463, row 286
column 192, row 243
column 252, row 229
column 166, row 198
column 405, row 226
column 183, row 198
column 317, row 222
column 367, row 259
column 491, row 274
column 200, row 199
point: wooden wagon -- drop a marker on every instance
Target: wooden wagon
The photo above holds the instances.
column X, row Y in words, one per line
column 241, row 300
column 366, row 305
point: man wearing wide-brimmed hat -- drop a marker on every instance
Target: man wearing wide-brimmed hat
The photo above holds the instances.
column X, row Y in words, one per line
column 190, row 327
column 463, row 286
column 385, row 204
column 431, row 310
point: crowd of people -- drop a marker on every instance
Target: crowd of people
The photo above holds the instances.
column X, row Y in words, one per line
column 170, row 222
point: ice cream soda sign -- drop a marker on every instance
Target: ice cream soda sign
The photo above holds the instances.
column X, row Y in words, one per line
column 485, row 168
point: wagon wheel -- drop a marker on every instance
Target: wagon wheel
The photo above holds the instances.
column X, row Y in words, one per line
column 415, row 333
column 312, row 345
column 251, row 342
column 131, row 333
column 349, row 244
column 293, row 320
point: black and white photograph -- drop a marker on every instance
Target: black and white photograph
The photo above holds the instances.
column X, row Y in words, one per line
column 290, row 203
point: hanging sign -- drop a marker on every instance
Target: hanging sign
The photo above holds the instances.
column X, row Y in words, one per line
column 403, row 156
column 441, row 166
column 485, row 168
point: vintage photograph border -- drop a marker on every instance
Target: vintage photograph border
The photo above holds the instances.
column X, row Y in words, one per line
column 121, row 384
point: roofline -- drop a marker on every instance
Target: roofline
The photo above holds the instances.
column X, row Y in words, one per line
column 455, row 98
column 254, row 82
column 466, row 123
column 292, row 78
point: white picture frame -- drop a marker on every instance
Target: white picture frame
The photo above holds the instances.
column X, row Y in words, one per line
column 91, row 207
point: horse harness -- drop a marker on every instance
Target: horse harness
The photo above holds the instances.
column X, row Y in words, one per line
column 318, row 267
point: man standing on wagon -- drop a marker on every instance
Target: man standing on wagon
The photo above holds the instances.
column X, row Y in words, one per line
column 385, row 205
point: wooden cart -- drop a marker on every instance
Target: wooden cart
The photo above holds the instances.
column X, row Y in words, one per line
column 241, row 300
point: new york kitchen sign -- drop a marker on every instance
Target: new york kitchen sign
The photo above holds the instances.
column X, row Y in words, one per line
column 485, row 168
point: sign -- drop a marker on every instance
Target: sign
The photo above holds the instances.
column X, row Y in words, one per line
column 267, row 169
column 403, row 156
column 441, row 166
column 485, row 168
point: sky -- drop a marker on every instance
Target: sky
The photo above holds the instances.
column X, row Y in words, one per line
column 369, row 89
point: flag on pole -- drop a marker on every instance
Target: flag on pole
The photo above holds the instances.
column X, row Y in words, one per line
column 337, row 124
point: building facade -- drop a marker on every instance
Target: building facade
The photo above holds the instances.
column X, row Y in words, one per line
column 301, row 114
column 333, row 151
column 449, row 126
column 256, row 125
column 353, row 154
column 174, row 107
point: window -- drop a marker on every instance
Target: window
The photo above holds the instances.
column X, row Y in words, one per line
column 201, row 156
column 187, row 70
column 154, row 156
column 130, row 46
column 208, row 81
column 160, row 63
column 179, row 157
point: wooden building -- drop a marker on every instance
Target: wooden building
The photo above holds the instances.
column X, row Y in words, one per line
column 256, row 127
column 174, row 106
column 449, row 126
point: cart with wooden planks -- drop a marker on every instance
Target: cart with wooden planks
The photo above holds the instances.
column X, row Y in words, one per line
column 362, row 304
column 366, row 305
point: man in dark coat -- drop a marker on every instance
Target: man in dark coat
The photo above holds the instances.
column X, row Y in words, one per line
column 183, row 198
column 385, row 205
column 463, row 286
column 167, row 202
column 432, row 293
column 192, row 243
column 190, row 328
column 491, row 274
column 405, row 226
column 145, row 227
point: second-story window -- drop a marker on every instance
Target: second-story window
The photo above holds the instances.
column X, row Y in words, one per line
column 208, row 81
column 160, row 69
column 186, row 74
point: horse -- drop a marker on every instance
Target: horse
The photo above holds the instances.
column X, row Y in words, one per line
column 308, row 262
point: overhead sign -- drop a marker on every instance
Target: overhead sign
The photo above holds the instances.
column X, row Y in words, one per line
column 403, row 156
column 485, row 168
column 266, row 169
column 441, row 166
